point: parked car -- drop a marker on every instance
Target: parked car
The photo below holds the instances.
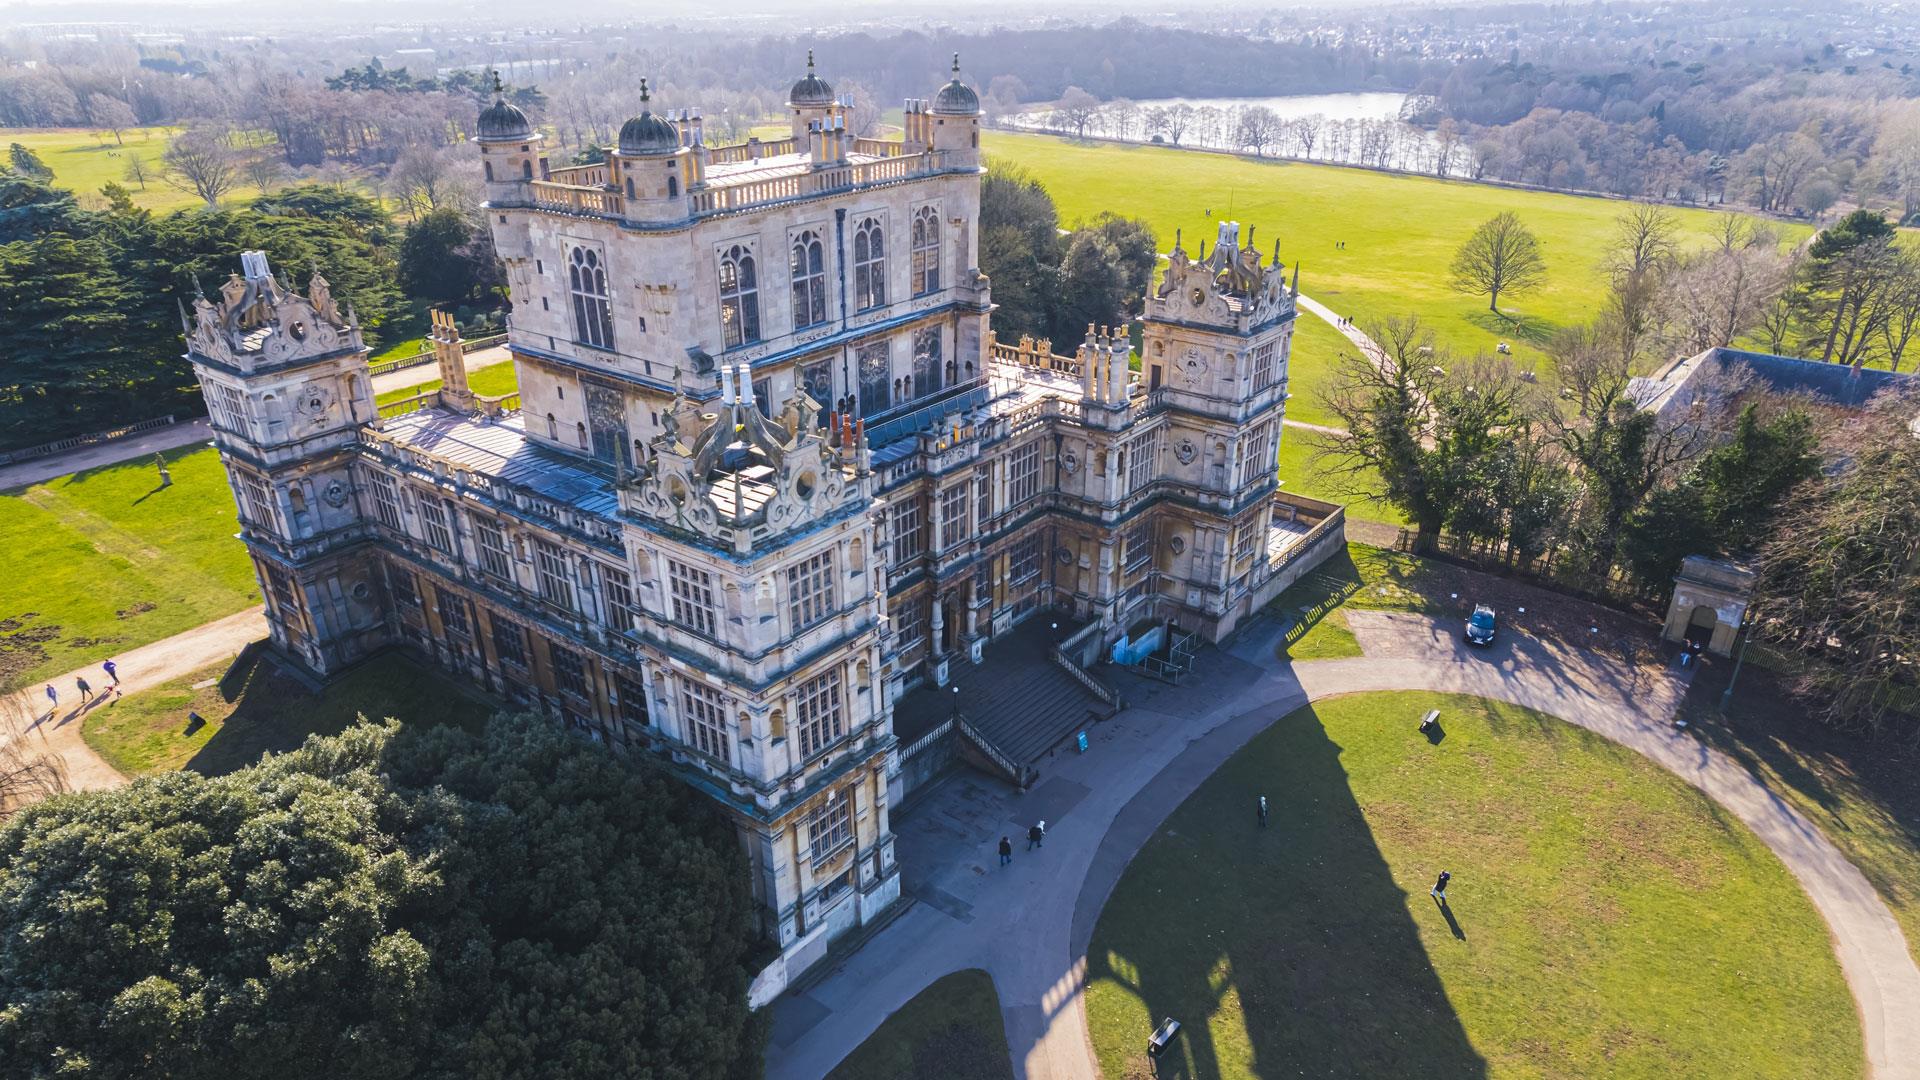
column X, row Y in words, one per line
column 1480, row 625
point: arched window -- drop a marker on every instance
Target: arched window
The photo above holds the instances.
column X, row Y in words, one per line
column 488, row 166
column 926, row 251
column 808, row 266
column 869, row 265
column 587, row 280
column 739, row 297
column 926, row 359
column 553, row 428
column 526, row 170
column 630, row 187
column 673, row 187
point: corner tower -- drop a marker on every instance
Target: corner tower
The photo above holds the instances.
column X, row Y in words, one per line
column 287, row 388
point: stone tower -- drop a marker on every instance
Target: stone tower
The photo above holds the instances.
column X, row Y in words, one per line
column 287, row 388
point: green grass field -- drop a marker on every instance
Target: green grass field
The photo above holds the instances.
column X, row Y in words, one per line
column 105, row 560
column 1604, row 920
column 489, row 381
column 82, row 163
column 950, row 1030
column 1400, row 231
column 271, row 713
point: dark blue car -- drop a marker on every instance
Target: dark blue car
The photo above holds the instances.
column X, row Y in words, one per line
column 1480, row 625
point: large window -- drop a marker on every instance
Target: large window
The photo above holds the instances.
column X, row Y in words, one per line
column 386, row 501
column 810, row 591
column 550, row 565
column 259, row 501
column 909, row 531
column 1246, row 538
column 1143, row 458
column 808, row 267
column 875, row 360
column 819, row 713
column 619, row 593
column 569, row 671
column 983, row 496
column 1265, row 371
column 607, row 423
column 926, row 251
column 1023, row 561
column 909, row 623
column 1257, row 463
column 705, row 711
column 817, row 380
column 633, row 701
column 830, row 826
column 509, row 642
column 954, row 523
column 495, row 558
column 455, row 617
column 433, row 513
column 228, row 406
column 869, row 265
column 691, row 591
column 926, row 360
column 1023, row 473
column 1138, row 542
column 587, row 281
column 739, row 297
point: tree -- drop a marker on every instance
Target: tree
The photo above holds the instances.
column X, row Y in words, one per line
column 202, row 165
column 1723, row 505
column 1019, row 249
column 1837, row 577
column 1840, row 304
column 381, row 904
column 441, row 262
column 27, row 163
column 1076, row 109
column 1180, row 117
column 1428, row 433
column 138, row 170
column 28, row 773
column 1104, row 275
column 1715, row 297
column 264, row 172
column 1258, row 129
column 1501, row 256
column 1642, row 250
column 112, row 114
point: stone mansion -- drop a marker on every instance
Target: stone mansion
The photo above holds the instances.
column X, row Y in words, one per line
column 769, row 479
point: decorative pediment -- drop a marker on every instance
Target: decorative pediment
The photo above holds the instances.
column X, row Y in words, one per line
column 258, row 321
column 1228, row 287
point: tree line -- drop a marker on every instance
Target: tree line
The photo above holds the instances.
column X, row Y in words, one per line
column 90, row 316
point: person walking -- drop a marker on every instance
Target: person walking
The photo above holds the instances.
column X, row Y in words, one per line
column 1035, row 835
column 1439, row 890
column 86, row 692
column 1261, row 808
column 53, row 699
column 112, row 670
column 1006, row 851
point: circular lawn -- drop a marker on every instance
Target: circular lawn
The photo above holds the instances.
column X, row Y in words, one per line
column 1604, row 918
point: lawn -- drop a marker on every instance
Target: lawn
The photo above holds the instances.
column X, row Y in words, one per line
column 489, row 381
column 1300, row 475
column 105, row 560
column 82, row 163
column 950, row 1030
column 1400, row 231
column 1363, row 577
column 270, row 712
column 1864, row 795
column 1605, row 918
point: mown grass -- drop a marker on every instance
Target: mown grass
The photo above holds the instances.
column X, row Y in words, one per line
column 105, row 560
column 1400, row 231
column 1605, row 918
column 489, row 381
column 950, row 1030
column 1361, row 576
column 83, row 163
column 271, row 712
column 1300, row 474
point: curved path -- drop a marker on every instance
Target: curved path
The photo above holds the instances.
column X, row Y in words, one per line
column 1029, row 924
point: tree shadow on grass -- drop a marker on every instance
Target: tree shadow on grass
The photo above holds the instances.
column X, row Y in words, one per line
column 1296, row 939
column 1531, row 329
column 273, row 710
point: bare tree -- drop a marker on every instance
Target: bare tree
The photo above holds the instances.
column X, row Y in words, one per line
column 265, row 172
column 28, row 773
column 1259, row 128
column 1642, row 249
column 112, row 114
column 1715, row 297
column 201, row 163
column 1180, row 117
column 1501, row 256
column 1076, row 109
column 1779, row 166
column 138, row 170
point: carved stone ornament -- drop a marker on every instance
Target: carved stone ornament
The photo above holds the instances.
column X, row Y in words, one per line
column 312, row 401
column 1185, row 451
column 1063, row 555
column 335, row 495
column 1194, row 364
column 1178, row 544
column 1070, row 461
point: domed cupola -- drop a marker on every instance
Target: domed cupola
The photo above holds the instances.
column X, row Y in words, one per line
column 812, row 91
column 647, row 133
column 956, row 98
column 501, row 121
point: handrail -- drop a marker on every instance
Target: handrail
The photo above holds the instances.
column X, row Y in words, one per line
column 594, row 175
column 407, row 404
column 928, row 739
column 1021, row 775
column 1098, row 686
column 89, row 439
column 1028, row 353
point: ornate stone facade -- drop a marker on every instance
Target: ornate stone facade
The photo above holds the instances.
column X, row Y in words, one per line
column 766, row 471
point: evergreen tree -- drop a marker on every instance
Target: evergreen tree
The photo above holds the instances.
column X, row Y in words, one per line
column 27, row 163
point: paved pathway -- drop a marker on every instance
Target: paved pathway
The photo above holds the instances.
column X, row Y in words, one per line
column 1029, row 924
column 1332, row 318
column 426, row 373
column 140, row 669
